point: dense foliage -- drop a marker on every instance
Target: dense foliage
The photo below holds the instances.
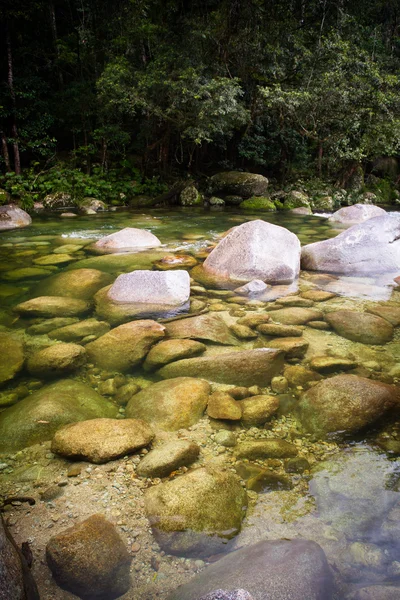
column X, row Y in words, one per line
column 286, row 87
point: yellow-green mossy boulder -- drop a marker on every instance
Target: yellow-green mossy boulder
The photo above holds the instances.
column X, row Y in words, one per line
column 197, row 513
column 12, row 357
column 79, row 283
column 57, row 360
column 170, row 405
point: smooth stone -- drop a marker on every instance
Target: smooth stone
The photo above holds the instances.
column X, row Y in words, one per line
column 256, row 250
column 79, row 283
column 237, row 183
column 125, row 346
column 256, row 286
column 53, row 259
column 276, row 569
column 52, row 306
column 167, row 289
column 364, row 249
column 254, row 320
column 357, row 213
column 12, row 357
column 293, row 347
column 266, row 448
column 51, row 324
column 101, row 440
column 243, row 368
column 25, row 273
column 222, row 406
column 331, row 364
column 117, row 263
column 297, row 375
column 175, row 261
column 318, row 295
column 256, row 410
column 345, row 403
column 320, row 325
column 12, row 217
column 92, row 204
column 165, row 459
column 67, row 249
column 225, row 438
column 295, row 301
column 296, row 315
column 16, row 579
column 202, row 327
column 90, row 560
column 37, row 417
column 390, row 313
column 57, row 360
column 129, row 238
column 196, row 513
column 169, row 350
column 243, row 332
column 77, row 331
column 170, row 405
column 360, row 327
column 277, row 330
column 125, row 393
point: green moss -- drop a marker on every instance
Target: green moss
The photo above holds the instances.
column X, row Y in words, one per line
column 259, row 203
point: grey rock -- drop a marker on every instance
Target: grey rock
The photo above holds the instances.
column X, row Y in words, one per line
column 240, row 184
column 129, row 238
column 358, row 213
column 12, row 217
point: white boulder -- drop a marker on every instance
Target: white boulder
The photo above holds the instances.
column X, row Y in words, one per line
column 12, row 217
column 358, row 213
column 170, row 288
column 256, row 250
column 129, row 238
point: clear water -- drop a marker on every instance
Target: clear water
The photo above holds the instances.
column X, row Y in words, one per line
column 347, row 498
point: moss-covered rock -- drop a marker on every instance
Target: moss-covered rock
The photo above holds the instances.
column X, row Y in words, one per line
column 52, row 306
column 222, row 406
column 79, row 283
column 190, row 196
column 37, row 417
column 195, row 514
column 259, row 203
column 77, row 331
column 239, row 184
column 169, row 350
column 57, row 360
column 296, row 199
column 169, row 457
column 12, row 357
column 256, row 410
column 171, row 405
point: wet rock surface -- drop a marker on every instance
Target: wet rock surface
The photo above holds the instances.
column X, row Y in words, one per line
column 129, row 238
column 52, row 306
column 163, row 460
column 57, row 360
column 12, row 359
column 12, row 217
column 360, row 327
column 79, row 283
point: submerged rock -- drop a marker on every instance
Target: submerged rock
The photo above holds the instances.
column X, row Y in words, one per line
column 77, row 331
column 12, row 217
column 125, row 346
column 239, row 184
column 256, row 410
column 364, row 249
column 129, row 238
column 196, row 513
column 296, row 315
column 101, row 440
column 52, row 306
column 57, row 360
column 79, row 283
column 169, row 350
column 358, row 213
column 202, row 327
column 164, row 289
column 277, row 569
column 360, row 327
column 37, row 417
column 266, row 448
column 171, row 405
column 375, row 592
column 12, row 357
column 90, row 560
column 345, row 403
column 390, row 313
column 256, row 250
column 223, row 406
column 169, row 457
column 243, row 368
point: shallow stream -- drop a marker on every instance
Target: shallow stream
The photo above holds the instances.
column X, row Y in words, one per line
column 342, row 493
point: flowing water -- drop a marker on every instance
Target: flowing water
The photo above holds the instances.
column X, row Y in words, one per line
column 340, row 492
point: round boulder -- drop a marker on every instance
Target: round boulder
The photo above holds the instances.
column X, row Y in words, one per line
column 360, row 327
column 195, row 514
column 129, row 238
column 169, row 350
column 12, row 357
column 165, row 459
column 101, row 440
column 358, row 213
column 57, row 360
column 90, row 560
column 52, row 306
column 240, row 184
column 79, row 283
column 12, row 217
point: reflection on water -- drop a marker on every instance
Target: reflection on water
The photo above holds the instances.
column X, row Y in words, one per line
column 342, row 494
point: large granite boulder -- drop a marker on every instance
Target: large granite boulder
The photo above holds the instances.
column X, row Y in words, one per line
column 243, row 368
column 129, row 238
column 12, row 217
column 358, row 213
column 256, row 250
column 16, row 581
column 144, row 293
column 170, row 405
column 360, row 327
column 37, row 417
column 364, row 249
column 79, row 283
column 196, row 513
column 240, row 184
column 125, row 346
column 57, row 360
column 90, row 560
column 276, row 569
column 345, row 404
column 101, row 440
column 12, row 357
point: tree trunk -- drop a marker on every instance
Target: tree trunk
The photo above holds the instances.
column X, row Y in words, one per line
column 53, row 25
column 14, row 129
column 320, row 154
column 4, row 149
